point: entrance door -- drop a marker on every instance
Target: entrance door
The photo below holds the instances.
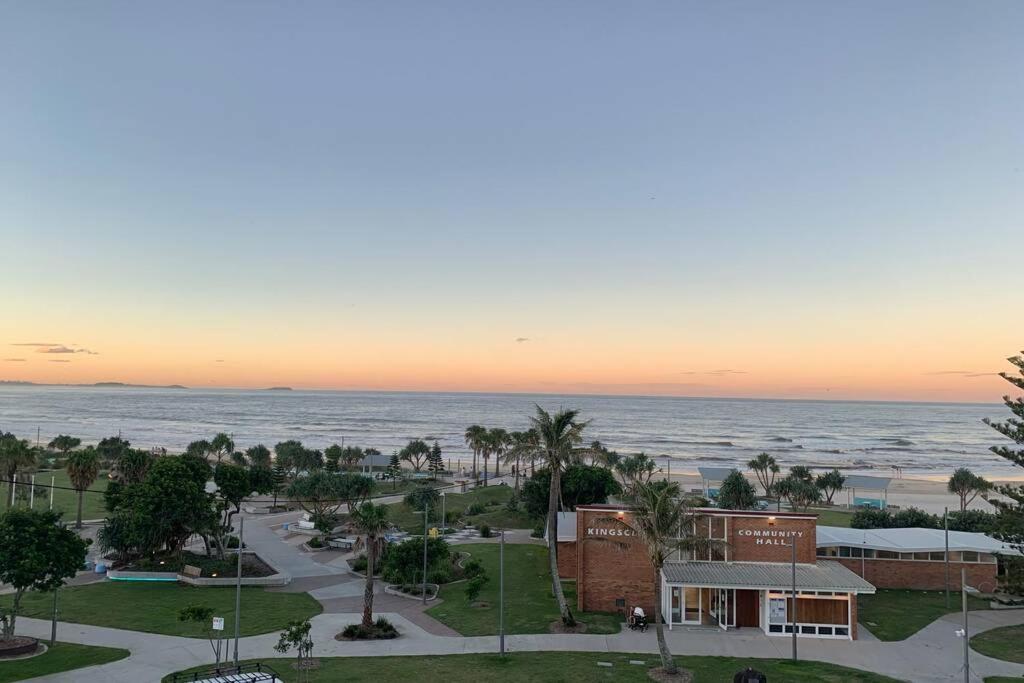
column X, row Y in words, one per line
column 748, row 611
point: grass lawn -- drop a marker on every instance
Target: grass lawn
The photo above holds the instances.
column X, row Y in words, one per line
column 154, row 607
column 60, row 657
column 899, row 614
column 67, row 501
column 558, row 667
column 529, row 605
column 830, row 517
column 1006, row 643
column 495, row 515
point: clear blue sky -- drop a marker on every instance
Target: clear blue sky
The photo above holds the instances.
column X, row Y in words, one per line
column 795, row 172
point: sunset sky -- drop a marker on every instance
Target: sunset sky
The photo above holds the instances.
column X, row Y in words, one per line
column 786, row 199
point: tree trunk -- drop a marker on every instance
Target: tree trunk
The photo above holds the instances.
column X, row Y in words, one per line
column 11, row 617
column 78, row 520
column 667, row 663
column 485, row 470
column 10, row 489
column 371, row 551
column 497, row 464
column 556, row 584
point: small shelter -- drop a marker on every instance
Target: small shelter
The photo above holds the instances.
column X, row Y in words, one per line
column 879, row 486
column 711, row 479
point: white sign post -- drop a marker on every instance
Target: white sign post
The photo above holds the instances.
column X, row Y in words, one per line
column 218, row 623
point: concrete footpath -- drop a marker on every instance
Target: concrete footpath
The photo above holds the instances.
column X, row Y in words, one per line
column 933, row 654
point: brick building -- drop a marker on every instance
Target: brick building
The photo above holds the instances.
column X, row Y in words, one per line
column 746, row 581
column 914, row 558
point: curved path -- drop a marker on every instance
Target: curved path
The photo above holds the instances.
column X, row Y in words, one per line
column 933, row 654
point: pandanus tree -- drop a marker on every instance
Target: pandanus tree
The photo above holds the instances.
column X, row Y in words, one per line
column 83, row 467
column 967, row 486
column 371, row 521
column 766, row 470
column 558, row 445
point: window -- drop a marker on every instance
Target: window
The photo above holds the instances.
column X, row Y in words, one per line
column 856, row 552
column 842, row 631
column 969, row 556
column 920, row 556
column 825, row 630
column 830, row 551
column 869, row 553
column 887, row 555
column 937, row 557
column 987, row 558
column 906, row 556
column 844, row 551
column 718, row 528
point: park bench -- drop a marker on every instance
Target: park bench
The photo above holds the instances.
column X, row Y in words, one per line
column 342, row 543
column 191, row 571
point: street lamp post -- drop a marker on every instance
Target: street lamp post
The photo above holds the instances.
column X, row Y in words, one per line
column 444, row 521
column 426, row 515
column 501, row 593
column 238, row 588
column 792, row 545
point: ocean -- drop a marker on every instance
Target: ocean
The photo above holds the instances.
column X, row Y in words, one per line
column 926, row 439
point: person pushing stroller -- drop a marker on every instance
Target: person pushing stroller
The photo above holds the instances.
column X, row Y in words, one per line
column 637, row 619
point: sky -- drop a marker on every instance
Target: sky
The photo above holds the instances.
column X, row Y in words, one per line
column 786, row 199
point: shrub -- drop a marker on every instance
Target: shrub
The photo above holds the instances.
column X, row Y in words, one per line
column 359, row 564
column 538, row 530
column 485, row 531
column 316, row 542
column 472, row 568
column 973, row 520
column 474, row 586
column 513, row 503
column 475, row 509
column 871, row 518
column 440, row 574
column 403, row 562
column 422, row 496
column 915, row 517
column 382, row 629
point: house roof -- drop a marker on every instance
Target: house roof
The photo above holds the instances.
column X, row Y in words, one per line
column 715, row 473
column 380, row 460
column 824, row 575
column 566, row 527
column 860, row 481
column 908, row 540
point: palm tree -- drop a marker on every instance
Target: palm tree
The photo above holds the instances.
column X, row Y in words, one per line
column 664, row 523
column 766, row 469
column 499, row 442
column 83, row 467
column 222, row 445
column 15, row 455
column 475, row 435
column 558, row 444
column 372, row 521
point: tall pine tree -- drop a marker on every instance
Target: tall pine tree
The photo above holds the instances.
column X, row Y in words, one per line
column 436, row 460
column 1011, row 512
column 394, row 470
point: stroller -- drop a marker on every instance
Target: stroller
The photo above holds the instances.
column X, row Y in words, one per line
column 637, row 622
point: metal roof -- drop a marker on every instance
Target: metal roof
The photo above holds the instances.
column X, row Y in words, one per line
column 909, row 540
column 825, row 575
column 566, row 527
column 860, row 481
column 380, row 460
column 715, row 473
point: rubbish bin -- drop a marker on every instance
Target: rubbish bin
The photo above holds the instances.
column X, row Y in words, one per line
column 749, row 675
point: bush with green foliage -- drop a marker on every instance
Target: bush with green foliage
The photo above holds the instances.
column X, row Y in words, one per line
column 403, row 562
column 475, row 585
column 736, row 493
column 423, row 496
column 485, row 531
column 475, row 509
column 382, row 629
column 472, row 567
column 580, row 485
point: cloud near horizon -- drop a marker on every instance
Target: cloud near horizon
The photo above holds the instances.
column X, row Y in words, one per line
column 65, row 349
column 520, row 340
column 59, row 360
column 714, row 373
column 962, row 373
column 14, row 360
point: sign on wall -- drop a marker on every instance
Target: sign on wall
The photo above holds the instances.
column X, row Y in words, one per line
column 771, row 536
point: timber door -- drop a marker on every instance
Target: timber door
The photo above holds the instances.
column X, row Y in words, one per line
column 748, row 608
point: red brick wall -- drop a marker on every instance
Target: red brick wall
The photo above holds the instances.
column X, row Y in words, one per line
column 921, row 575
column 853, row 616
column 754, row 539
column 612, row 567
column 567, row 559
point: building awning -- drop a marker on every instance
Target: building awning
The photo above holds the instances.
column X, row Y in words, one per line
column 910, row 540
column 823, row 576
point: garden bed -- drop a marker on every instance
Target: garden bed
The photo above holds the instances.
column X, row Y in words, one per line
column 382, row 629
column 18, row 646
column 253, row 565
column 413, row 592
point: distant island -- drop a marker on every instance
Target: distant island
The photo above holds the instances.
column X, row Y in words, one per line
column 105, row 385
column 279, row 389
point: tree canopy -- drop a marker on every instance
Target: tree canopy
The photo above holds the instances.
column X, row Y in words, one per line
column 736, row 493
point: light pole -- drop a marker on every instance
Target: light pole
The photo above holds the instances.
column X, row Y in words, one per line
column 967, row 633
column 238, row 588
column 501, row 593
column 945, row 526
column 426, row 509
column 444, row 521
column 792, row 545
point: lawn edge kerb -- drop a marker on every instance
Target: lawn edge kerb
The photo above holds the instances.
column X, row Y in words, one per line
column 983, row 645
column 51, row 662
column 577, row 664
